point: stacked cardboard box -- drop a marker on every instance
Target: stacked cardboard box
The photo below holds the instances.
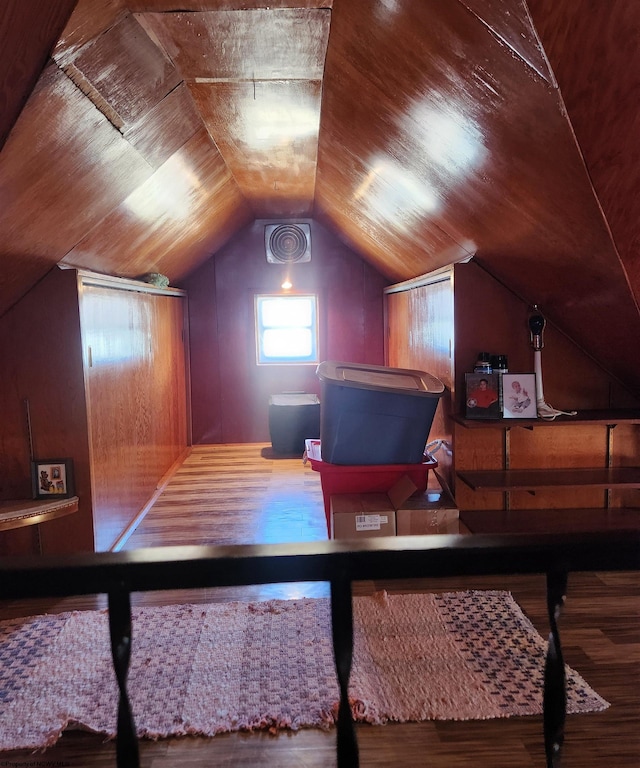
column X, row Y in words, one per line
column 362, row 515
column 401, row 511
column 425, row 513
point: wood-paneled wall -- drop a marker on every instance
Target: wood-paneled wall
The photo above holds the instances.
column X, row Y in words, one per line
column 230, row 392
column 489, row 317
column 42, row 364
column 465, row 311
column 103, row 371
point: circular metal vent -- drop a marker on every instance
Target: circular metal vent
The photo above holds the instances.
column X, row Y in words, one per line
column 288, row 243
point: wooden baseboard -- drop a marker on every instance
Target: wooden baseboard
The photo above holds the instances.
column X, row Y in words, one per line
column 162, row 483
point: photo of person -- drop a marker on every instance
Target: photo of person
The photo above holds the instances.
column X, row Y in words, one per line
column 482, row 396
column 519, row 396
column 518, row 399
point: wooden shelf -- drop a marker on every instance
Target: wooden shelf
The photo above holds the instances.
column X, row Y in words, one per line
column 22, row 512
column 552, row 478
column 604, row 417
column 537, row 479
column 551, row 520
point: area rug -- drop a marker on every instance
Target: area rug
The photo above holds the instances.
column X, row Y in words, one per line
column 207, row 669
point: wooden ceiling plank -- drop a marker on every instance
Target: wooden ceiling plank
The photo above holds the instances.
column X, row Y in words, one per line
column 171, row 222
column 125, row 67
column 165, row 127
column 88, row 21
column 453, row 133
column 63, row 168
column 509, row 20
column 264, row 44
column 28, row 32
column 594, row 51
column 167, row 6
column 268, row 135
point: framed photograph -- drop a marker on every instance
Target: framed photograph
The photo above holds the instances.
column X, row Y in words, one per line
column 52, row 478
column 519, row 396
column 482, row 396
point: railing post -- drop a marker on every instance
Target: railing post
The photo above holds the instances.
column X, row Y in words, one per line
column 555, row 692
column 127, row 755
column 342, row 632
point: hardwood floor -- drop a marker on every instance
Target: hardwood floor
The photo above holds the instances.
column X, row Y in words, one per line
column 240, row 494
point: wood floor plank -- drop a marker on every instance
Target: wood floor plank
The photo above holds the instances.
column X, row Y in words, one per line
column 240, row 494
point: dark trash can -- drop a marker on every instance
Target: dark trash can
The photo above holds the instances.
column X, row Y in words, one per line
column 293, row 417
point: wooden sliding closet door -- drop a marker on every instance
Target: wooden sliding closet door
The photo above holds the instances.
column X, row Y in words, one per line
column 135, row 377
column 420, row 334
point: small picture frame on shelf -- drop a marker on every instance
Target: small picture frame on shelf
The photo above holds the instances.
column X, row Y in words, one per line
column 52, row 478
column 519, row 396
column 482, row 396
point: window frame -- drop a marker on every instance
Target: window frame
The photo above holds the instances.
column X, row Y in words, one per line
column 314, row 357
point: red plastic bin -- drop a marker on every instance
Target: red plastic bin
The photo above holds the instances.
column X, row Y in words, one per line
column 365, row 478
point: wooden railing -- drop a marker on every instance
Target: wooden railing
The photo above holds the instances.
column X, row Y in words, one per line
column 337, row 562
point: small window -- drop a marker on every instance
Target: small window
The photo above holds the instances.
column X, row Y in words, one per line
column 287, row 329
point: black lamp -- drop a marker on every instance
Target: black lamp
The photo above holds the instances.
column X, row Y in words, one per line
column 536, row 331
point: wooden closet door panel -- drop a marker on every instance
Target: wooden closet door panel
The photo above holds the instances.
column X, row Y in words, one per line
column 135, row 378
column 420, row 336
column 167, row 380
column 398, row 329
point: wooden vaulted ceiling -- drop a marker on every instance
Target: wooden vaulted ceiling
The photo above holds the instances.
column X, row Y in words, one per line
column 140, row 135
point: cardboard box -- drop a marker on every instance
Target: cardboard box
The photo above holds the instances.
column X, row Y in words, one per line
column 427, row 513
column 419, row 522
column 362, row 515
column 371, row 478
column 401, row 511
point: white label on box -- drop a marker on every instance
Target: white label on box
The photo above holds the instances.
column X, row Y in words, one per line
column 370, row 522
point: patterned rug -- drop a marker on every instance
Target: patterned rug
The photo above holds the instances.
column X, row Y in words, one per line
column 206, row 669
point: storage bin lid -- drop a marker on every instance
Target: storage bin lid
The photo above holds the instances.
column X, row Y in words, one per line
column 380, row 378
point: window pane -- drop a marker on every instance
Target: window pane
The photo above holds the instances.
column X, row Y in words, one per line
column 286, row 312
column 290, row 342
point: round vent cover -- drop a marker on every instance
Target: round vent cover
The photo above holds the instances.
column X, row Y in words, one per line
column 288, row 243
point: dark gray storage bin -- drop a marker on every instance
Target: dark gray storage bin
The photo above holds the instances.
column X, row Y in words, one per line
column 373, row 414
column 293, row 417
